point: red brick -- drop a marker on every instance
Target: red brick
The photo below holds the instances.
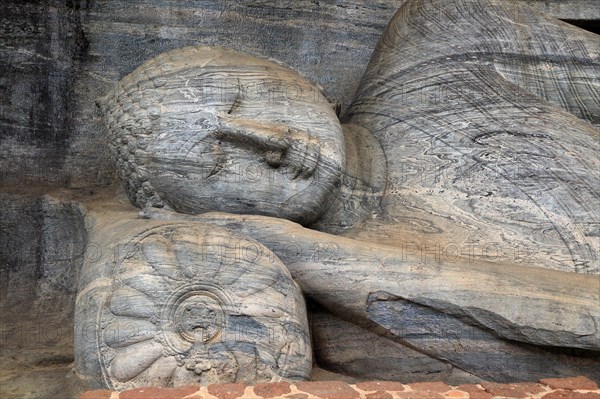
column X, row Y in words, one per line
column 97, row 394
column 456, row 394
column 380, row 386
column 516, row 391
column 560, row 394
column 420, row 395
column 227, row 391
column 272, row 389
column 158, row 393
column 571, row 383
column 379, row 395
column 328, row 389
column 474, row 391
column 431, row 386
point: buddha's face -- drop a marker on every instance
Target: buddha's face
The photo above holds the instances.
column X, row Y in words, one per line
column 221, row 131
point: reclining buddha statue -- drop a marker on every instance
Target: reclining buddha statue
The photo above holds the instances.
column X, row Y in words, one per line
column 447, row 227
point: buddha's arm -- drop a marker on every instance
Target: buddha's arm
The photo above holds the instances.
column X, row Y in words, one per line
column 349, row 277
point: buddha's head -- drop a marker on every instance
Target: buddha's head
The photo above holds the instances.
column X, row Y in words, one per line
column 207, row 129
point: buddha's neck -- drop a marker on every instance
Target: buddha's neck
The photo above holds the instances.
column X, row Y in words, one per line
column 363, row 183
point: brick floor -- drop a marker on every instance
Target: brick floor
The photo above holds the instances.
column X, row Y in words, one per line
column 550, row 388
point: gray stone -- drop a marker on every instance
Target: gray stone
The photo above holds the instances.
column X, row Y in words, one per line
column 482, row 81
column 483, row 161
column 345, row 348
column 470, row 169
column 176, row 304
column 428, row 345
column 480, row 306
column 39, row 275
column 43, row 239
column 188, row 126
column 59, row 56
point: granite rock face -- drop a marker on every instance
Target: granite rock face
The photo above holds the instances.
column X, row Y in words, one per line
column 499, row 149
column 192, row 126
column 39, row 275
column 43, row 239
column 345, row 348
column 173, row 304
column 433, row 307
column 59, row 57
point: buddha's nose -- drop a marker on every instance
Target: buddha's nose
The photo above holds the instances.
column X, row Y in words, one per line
column 281, row 145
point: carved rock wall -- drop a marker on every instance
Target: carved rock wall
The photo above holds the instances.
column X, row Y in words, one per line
column 173, row 304
column 42, row 242
column 57, row 57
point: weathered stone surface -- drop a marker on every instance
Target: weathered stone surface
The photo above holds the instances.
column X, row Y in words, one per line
column 57, row 57
column 431, row 386
column 227, row 109
column 420, row 395
column 562, row 394
column 172, row 304
column 473, row 348
column 456, row 394
column 41, row 251
column 346, row 348
column 380, row 386
column 360, row 265
column 63, row 55
column 474, row 391
column 42, row 48
column 494, row 184
column 42, row 242
column 387, row 96
column 97, row 394
column 379, row 395
column 408, row 391
column 571, row 10
column 60, row 57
